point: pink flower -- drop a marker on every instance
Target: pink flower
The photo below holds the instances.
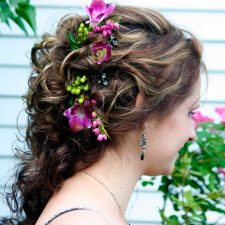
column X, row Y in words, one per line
column 98, row 121
column 198, row 117
column 79, row 117
column 100, row 137
column 101, row 51
column 104, row 137
column 106, row 30
column 221, row 112
column 221, row 170
column 96, row 131
column 95, row 124
column 93, row 114
column 98, row 11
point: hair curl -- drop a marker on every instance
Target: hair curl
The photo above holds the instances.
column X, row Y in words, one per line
column 153, row 57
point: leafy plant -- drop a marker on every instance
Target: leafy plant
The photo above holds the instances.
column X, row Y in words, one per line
column 19, row 11
column 197, row 184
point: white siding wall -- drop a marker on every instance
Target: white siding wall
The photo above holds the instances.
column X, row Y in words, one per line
column 205, row 19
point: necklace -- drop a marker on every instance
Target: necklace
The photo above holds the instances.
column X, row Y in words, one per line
column 109, row 191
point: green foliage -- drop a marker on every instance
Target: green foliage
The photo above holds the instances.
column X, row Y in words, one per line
column 19, row 11
column 197, row 184
column 72, row 41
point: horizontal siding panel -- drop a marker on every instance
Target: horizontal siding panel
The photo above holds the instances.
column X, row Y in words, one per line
column 213, row 56
column 216, row 87
column 12, row 110
column 13, row 80
column 190, row 20
column 204, row 25
column 4, row 211
column 6, row 169
column 9, row 135
column 48, row 24
column 15, row 51
column 165, row 4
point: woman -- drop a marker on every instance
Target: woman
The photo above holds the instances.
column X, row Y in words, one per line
column 111, row 99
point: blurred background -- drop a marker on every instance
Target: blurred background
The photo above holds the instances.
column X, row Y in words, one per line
column 204, row 18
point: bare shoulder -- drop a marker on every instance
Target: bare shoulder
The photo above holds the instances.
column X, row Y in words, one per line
column 81, row 217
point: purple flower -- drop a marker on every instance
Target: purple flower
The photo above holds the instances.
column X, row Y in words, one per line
column 79, row 117
column 98, row 11
column 100, row 137
column 106, row 30
column 221, row 112
column 96, row 131
column 101, row 51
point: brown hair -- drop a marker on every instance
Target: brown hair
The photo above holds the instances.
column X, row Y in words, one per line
column 153, row 57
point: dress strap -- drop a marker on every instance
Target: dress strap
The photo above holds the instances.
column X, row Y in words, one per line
column 75, row 209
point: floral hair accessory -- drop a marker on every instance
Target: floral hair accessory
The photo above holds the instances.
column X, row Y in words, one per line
column 98, row 11
column 101, row 51
column 81, row 113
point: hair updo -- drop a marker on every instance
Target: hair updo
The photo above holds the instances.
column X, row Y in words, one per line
column 153, row 57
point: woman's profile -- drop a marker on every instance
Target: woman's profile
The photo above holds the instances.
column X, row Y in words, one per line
column 110, row 98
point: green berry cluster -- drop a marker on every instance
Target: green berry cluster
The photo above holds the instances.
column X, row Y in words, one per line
column 78, row 87
column 82, row 33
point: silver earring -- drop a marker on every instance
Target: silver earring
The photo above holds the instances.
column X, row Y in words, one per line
column 143, row 146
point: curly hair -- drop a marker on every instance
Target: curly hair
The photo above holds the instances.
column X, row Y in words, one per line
column 153, row 57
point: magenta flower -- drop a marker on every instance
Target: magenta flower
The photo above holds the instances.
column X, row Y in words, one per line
column 221, row 112
column 96, row 131
column 98, row 11
column 198, row 117
column 79, row 117
column 101, row 51
column 106, row 30
column 221, row 170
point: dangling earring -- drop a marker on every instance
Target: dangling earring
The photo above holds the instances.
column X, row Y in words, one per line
column 143, row 146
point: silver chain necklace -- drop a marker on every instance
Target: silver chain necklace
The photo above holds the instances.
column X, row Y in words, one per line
column 109, row 191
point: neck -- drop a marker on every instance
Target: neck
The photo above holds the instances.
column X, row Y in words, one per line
column 119, row 172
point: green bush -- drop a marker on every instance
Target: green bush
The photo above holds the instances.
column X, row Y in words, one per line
column 197, row 184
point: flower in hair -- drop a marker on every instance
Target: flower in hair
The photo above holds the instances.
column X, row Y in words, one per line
column 81, row 114
column 79, row 117
column 107, row 28
column 101, row 51
column 98, row 11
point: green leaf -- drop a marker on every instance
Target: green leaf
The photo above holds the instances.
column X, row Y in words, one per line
column 13, row 2
column 20, row 23
column 188, row 195
column 4, row 12
column 172, row 220
column 214, row 208
column 72, row 41
column 28, row 13
column 212, row 182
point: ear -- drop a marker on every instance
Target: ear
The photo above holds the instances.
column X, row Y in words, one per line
column 139, row 100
